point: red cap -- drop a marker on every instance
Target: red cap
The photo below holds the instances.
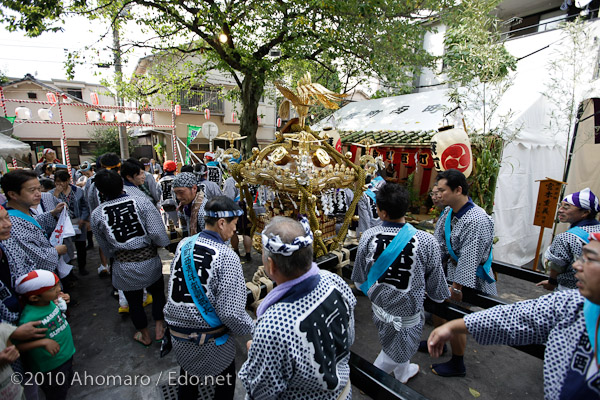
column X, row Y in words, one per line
column 170, row 166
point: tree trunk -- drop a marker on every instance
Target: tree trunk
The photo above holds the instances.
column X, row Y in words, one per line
column 252, row 90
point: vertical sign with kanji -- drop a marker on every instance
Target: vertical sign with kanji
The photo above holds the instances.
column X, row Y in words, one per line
column 545, row 210
column 547, row 200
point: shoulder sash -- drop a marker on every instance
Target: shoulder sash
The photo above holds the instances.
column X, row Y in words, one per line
column 580, row 233
column 483, row 271
column 387, row 257
column 192, row 280
column 20, row 214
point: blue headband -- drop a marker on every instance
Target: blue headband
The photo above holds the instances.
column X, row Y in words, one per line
column 224, row 214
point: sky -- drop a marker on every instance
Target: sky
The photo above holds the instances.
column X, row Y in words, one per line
column 44, row 56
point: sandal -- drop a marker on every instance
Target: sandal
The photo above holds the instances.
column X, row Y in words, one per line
column 138, row 338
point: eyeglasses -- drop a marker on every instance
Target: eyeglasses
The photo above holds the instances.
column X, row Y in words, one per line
column 584, row 260
column 564, row 206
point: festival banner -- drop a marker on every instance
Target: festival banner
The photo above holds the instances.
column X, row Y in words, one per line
column 193, row 132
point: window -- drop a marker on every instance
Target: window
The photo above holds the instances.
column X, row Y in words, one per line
column 88, row 148
column 32, row 95
column 75, row 93
column 199, row 98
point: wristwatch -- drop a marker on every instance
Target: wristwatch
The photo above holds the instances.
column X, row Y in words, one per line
column 456, row 291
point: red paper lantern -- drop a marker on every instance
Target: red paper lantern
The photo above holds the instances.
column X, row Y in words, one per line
column 95, row 99
column 233, row 116
column 51, row 97
column 279, row 122
column 177, row 109
column 207, row 113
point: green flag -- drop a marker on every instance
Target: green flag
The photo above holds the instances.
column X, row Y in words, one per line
column 193, row 132
column 11, row 119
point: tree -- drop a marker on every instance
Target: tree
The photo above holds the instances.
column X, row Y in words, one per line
column 251, row 39
column 107, row 140
column 477, row 66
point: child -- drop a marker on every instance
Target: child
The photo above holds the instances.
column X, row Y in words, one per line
column 52, row 355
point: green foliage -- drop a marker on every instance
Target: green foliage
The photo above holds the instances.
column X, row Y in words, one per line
column 473, row 47
column 160, row 148
column 357, row 38
column 108, row 141
column 487, row 155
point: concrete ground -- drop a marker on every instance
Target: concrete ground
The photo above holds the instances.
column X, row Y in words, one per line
column 110, row 365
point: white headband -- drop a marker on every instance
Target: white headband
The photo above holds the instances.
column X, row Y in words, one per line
column 274, row 244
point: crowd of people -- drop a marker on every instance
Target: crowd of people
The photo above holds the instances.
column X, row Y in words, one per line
column 304, row 327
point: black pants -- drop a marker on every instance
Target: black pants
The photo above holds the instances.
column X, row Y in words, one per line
column 58, row 381
column 81, row 255
column 135, row 298
column 224, row 384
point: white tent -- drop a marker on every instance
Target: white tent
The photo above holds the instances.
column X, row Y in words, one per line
column 10, row 147
column 533, row 153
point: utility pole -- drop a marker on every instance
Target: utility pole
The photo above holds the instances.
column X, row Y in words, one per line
column 123, row 140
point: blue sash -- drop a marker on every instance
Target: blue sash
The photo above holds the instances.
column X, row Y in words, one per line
column 371, row 194
column 580, row 233
column 192, row 280
column 22, row 215
column 591, row 313
column 483, row 271
column 387, row 257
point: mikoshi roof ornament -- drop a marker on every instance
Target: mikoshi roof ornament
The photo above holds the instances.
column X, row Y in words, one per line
column 302, row 173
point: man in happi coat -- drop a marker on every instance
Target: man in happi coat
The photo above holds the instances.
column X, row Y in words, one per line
column 566, row 322
column 211, row 189
column 192, row 201
column 366, row 209
column 305, row 327
column 30, row 232
column 465, row 233
column 244, row 225
column 395, row 266
column 207, row 303
column 130, row 229
column 579, row 210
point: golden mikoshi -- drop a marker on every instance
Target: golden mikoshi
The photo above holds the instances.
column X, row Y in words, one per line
column 300, row 169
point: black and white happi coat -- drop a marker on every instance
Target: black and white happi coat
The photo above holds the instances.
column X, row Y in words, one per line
column 32, row 243
column 222, row 279
column 565, row 249
column 400, row 291
column 301, row 344
column 230, row 189
column 130, row 223
column 211, row 189
column 154, row 189
column 471, row 237
column 556, row 320
column 367, row 214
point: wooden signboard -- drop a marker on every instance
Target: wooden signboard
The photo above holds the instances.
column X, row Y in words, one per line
column 545, row 210
column 547, row 201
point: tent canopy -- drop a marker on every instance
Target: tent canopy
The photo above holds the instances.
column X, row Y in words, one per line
column 10, row 147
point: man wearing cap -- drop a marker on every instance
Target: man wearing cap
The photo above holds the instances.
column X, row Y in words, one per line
column 48, row 157
column 85, row 172
column 191, row 202
column 206, row 302
column 579, row 210
column 305, row 327
column 565, row 321
column 129, row 229
column 168, row 202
